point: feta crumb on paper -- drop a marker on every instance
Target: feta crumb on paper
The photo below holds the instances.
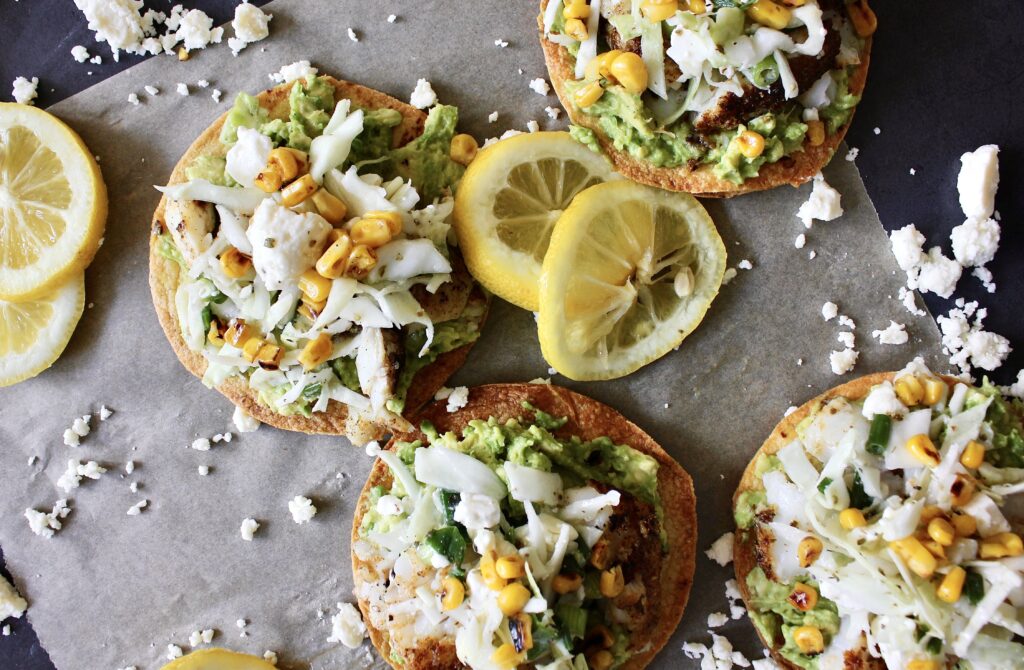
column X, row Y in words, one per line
column 198, row 637
column 71, row 438
column 906, row 296
column 745, row 265
column 137, row 508
column 800, row 241
column 877, row 130
column 201, row 444
column 216, row 95
column 302, row 509
column 843, row 361
column 251, row 24
column 134, row 487
column 540, row 86
column 967, row 343
column 846, row 339
column 500, row 43
column 203, row 470
column 975, row 241
column 936, row 274
column 721, row 550
column 11, row 604
column 492, row 117
column 894, row 333
column 392, row 18
column 105, row 412
column 852, row 154
column 908, row 247
column 249, row 527
column 423, row 95
column 79, row 53
column 81, row 426
column 847, row 322
column 790, row 410
column 44, row 524
column 978, row 181
column 202, row 83
column 288, row 73
column 241, row 623
column 532, row 125
column 270, row 657
column 822, row 205
column 352, row 35
column 829, row 311
column 717, row 619
column 347, row 626
column 152, row 90
column 76, row 470
column 133, row 98
column 244, row 423
column 553, row 112
column 173, row 652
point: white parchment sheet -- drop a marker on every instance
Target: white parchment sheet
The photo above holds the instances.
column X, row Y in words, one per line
column 111, row 590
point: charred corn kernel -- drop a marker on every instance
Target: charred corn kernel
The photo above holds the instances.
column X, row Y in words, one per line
column 909, row 390
column 962, row 490
column 234, row 263
column 816, row 133
column 268, row 180
column 934, row 548
column 600, row 660
column 808, row 551
column 934, row 391
column 360, row 262
column 599, row 636
column 183, row 54
column 659, row 11
column 922, row 664
column 696, row 6
column 506, row 656
column 809, row 640
column 490, row 574
column 929, row 512
column 1011, row 542
column 521, row 629
column 393, row 219
column 566, row 583
column 612, row 582
column 286, row 162
column 630, row 71
column 751, row 144
column 599, row 66
column 863, row 18
column 509, row 567
column 576, row 29
column 314, row 286
column 588, row 94
column 316, row 351
column 916, row 556
column 513, row 598
column 251, row 348
column 851, row 518
column 269, row 356
column 332, row 263
column 215, row 335
column 803, row 597
column 770, row 14
column 923, row 449
column 238, row 332
column 952, row 585
column 941, row 531
column 329, row 207
column 965, row 525
column 463, row 149
column 974, row 455
column 576, row 9
column 370, row 232
column 453, row 592
column 296, row 192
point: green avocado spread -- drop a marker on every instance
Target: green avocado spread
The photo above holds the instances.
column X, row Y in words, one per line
column 776, row 618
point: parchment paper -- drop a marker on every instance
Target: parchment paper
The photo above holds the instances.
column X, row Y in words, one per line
column 111, row 590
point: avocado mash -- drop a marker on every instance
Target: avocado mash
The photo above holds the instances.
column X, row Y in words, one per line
column 776, row 618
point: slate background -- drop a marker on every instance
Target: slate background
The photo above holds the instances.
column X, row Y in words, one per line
column 942, row 82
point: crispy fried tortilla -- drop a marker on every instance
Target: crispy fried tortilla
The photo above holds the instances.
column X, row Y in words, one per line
column 164, row 277
column 671, row 573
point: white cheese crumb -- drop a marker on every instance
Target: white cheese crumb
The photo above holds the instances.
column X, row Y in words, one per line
column 24, row 90
column 32, row 459
column 877, row 131
column 790, row 410
column 423, row 95
column 913, row 172
column 173, row 652
column 241, row 623
column 289, row 73
column 202, row 83
column 392, row 18
column 847, row 322
column 44, row 524
column 500, row 43
column 906, row 297
column 846, row 339
column 129, row 467
column 852, row 154
column 717, row 619
column 800, row 241
column 105, row 412
column 553, row 112
column 907, row 246
column 152, row 90
column 137, row 508
column 81, row 426
column 842, row 361
column 216, row 95
column 72, row 476
column 978, row 181
column 302, row 509
column 457, row 399
column 504, row 136
column 244, row 423
column 201, row 637
column 822, row 205
column 134, row 487
column 11, row 604
column 721, row 550
column 71, row 438
column 895, row 333
column 492, row 117
column 270, row 657
column 811, row 254
column 347, row 626
column 6, row 630
column 133, row 98
column 249, row 527
column 250, row 25
column 937, row 274
column 532, row 125
column 540, row 86
column 352, row 35
column 201, row 444
column 975, row 241
column 196, row 30
column 985, row 276
column 745, row 265
column 228, row 437
column 829, row 311
column 203, row 470
column 79, row 53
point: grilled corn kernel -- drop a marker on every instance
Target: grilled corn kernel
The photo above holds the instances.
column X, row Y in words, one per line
column 852, row 518
column 238, row 332
column 599, row 66
column 630, row 71
column 991, row 549
column 612, row 582
column 308, row 311
column 770, row 14
column 974, row 455
column 509, row 567
column 360, row 262
column 816, row 133
column 313, row 286
column 803, row 597
column 463, row 149
column 393, row 219
column 965, row 525
column 923, row 449
column 909, row 390
column 809, row 640
column 941, row 531
column 453, row 592
column 576, row 29
column 268, row 180
column 934, row 391
column 600, row 660
column 659, row 11
column 370, row 232
column 863, row 18
column 506, row 656
column 952, row 585
column 934, row 548
column 215, row 335
column 183, row 54
column 269, row 356
column 234, row 263
column 751, row 144
column 1011, row 542
column 922, row 664
column 490, row 574
column 332, row 263
column 588, row 94
column 251, row 349
column 696, row 6
column 808, row 551
column 329, row 207
column 962, row 490
column 576, row 9
column 513, row 598
column 296, row 192
column 288, row 162
column 566, row 583
column 916, row 556
column 929, row 512
column 316, row 351
column 521, row 629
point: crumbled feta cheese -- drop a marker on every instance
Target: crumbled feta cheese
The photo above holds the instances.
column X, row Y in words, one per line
column 800, row 241
column 847, row 322
column 975, row 241
column 270, row 657
column 81, row 426
column 721, row 550
column 790, row 410
column 152, row 90
column 822, row 205
column 228, row 437
column 173, row 652
column 829, row 311
column 297, row 238
column 202, row 83
column 119, row 23
column 553, row 112
column 201, row 444
column 182, row 88
column 895, row 333
column 203, row 470
column 717, row 619
column 133, row 98
column 244, row 423
column 250, row 25
column 423, row 95
column 500, row 43
column 137, row 508
column 540, row 86
column 877, row 131
column 105, row 412
column 11, row 604
column 532, row 125
column 492, row 117
column 978, row 181
column 882, row 399
column 985, row 276
column 388, row 505
column 913, row 172
column 937, row 274
column 352, row 35
column 241, row 623
column 201, row 637
column 6, row 630
column 44, row 524
column 302, row 509
column 477, row 511
column 347, row 626
column 249, row 527
column 32, row 459
column 79, row 53
column 72, row 476
column 846, row 339
column 987, row 350
column 457, row 399
column 504, row 136
column 907, row 247
column 71, row 438
column 745, row 265
column 289, row 73
column 842, row 361
column 968, row 344
column 216, row 95
column 852, row 154
column 392, row 18
column 196, row 31
column 906, row 297
column 134, row 487
column 811, row 254
column 1017, row 388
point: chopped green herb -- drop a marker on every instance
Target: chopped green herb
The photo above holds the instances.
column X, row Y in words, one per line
column 449, row 499
column 858, row 496
column 824, row 484
column 878, row 436
column 449, row 542
column 974, row 587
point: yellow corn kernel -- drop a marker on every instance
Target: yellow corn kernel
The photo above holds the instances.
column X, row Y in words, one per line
column 316, row 351
column 965, row 525
column 576, row 9
column 974, row 455
column 332, row 263
column 316, row 306
column 234, row 263
column 216, row 334
column 794, row 3
column 659, row 11
column 923, row 664
column 329, row 207
column 808, row 551
column 852, row 518
column 599, row 66
column 923, row 449
column 251, row 348
column 238, row 332
column 513, row 598
column 909, row 390
column 991, row 549
column 490, row 574
column 696, row 6
column 296, row 192
column 588, row 94
column 308, row 311
column 863, row 18
column 934, row 391
column 612, row 582
column 371, row 232
column 929, row 512
column 360, row 262
column 268, row 180
column 934, row 548
column 269, row 356
column 962, row 490
column 566, row 583
column 463, row 149
column 314, row 286
column 393, row 219
column 287, row 162
column 600, row 660
column 916, row 556
column 453, row 592
column 521, row 628
column 770, row 14
column 803, row 597
column 751, row 144
column 183, row 54
column 509, row 567
column 816, row 133
column 941, row 531
column 506, row 656
column 576, row 29
column 809, row 640
column 1011, row 542
column 952, row 585
column 630, row 71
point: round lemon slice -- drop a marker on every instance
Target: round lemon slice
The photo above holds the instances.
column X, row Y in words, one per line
column 219, row 659
column 630, row 272
column 33, row 333
column 53, row 204
column 508, row 202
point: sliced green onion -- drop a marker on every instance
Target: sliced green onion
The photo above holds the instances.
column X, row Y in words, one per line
column 878, row 436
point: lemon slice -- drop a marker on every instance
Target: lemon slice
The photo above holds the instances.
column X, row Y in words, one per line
column 34, row 333
column 219, row 659
column 630, row 272
column 508, row 202
column 53, row 204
